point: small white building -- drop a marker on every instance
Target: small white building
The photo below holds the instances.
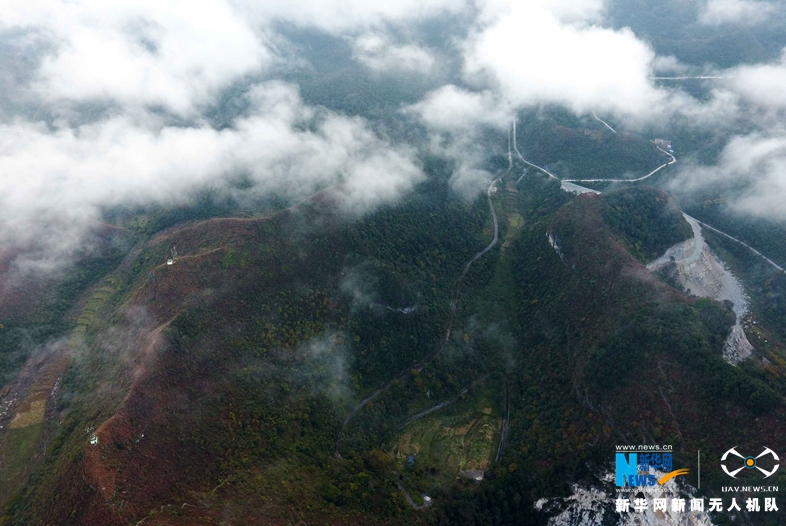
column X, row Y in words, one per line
column 170, row 261
column 662, row 143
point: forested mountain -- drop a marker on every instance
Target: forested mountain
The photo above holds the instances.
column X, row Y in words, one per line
column 232, row 368
column 392, row 263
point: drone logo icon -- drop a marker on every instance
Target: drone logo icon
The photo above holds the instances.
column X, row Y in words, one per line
column 749, row 462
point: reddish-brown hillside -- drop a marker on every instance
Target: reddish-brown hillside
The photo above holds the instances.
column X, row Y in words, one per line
column 648, row 357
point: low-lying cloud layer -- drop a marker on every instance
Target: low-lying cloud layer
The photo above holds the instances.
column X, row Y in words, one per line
column 454, row 109
column 533, row 56
column 762, row 84
column 755, row 162
column 107, row 103
column 737, row 12
column 378, row 53
column 143, row 53
column 66, row 175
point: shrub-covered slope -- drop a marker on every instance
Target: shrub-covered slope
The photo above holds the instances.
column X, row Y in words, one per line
column 645, row 219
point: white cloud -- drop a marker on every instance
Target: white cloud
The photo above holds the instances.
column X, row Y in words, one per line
column 468, row 181
column 552, row 52
column 758, row 163
column 179, row 55
column 668, row 64
column 762, row 84
column 54, row 183
column 102, row 71
column 132, row 58
column 564, row 10
column 378, row 53
column 337, row 16
column 738, row 12
column 533, row 57
column 453, row 109
column 146, row 52
column 720, row 111
column 457, row 116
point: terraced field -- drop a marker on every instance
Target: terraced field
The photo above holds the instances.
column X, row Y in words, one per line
column 460, row 438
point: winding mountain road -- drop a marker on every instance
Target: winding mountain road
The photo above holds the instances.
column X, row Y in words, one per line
column 606, row 124
column 522, row 159
column 570, row 185
column 656, row 170
column 689, row 78
column 724, row 234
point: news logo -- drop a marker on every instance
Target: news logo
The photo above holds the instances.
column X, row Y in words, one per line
column 635, row 469
column 764, row 460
